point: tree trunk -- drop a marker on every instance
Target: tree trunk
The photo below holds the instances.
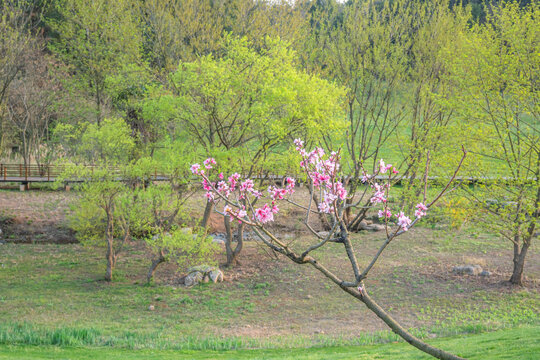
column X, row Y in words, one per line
column 232, row 254
column 154, row 265
column 519, row 263
column 206, row 216
column 110, row 261
column 408, row 337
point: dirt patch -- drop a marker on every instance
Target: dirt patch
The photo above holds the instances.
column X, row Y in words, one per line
column 35, row 217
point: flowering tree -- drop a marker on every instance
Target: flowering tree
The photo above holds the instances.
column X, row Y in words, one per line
column 244, row 203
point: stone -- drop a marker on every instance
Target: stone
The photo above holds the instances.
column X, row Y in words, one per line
column 467, row 270
column 216, row 276
column 151, row 308
column 485, row 273
column 203, row 273
column 193, row 278
column 364, row 225
column 218, row 238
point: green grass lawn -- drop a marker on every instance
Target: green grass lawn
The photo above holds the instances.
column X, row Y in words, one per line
column 54, row 302
column 518, row 343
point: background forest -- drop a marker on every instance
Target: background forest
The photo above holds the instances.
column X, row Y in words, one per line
column 129, row 89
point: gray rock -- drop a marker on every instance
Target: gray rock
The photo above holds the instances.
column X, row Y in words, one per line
column 364, row 225
column 467, row 270
column 485, row 273
column 193, row 278
column 151, row 308
column 216, row 276
column 218, row 238
column 203, row 273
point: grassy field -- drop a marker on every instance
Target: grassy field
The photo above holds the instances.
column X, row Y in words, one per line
column 520, row 343
column 53, row 301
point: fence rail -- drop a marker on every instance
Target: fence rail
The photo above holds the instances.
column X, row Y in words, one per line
column 49, row 173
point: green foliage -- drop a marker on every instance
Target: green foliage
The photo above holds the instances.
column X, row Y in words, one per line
column 111, row 142
column 95, row 38
column 249, row 100
column 494, row 68
column 184, row 248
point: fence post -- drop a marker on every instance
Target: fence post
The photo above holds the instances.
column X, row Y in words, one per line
column 26, row 172
column 48, row 173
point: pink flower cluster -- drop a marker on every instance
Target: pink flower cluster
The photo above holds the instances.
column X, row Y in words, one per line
column 421, row 210
column 403, row 221
column 323, row 172
column 379, row 196
column 321, row 169
column 386, row 214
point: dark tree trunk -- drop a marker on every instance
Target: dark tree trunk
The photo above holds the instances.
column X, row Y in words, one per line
column 232, row 254
column 519, row 263
column 110, row 260
column 206, row 216
column 154, row 265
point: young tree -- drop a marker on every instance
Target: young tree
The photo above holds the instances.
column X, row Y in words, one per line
column 241, row 201
column 432, row 129
column 95, row 38
column 29, row 104
column 18, row 21
column 244, row 104
column 164, row 212
column 365, row 48
column 107, row 210
column 496, row 68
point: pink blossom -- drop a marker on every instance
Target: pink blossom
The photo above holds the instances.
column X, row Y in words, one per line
column 385, row 214
column 277, row 193
column 395, row 171
column 403, row 221
column 233, row 179
column 290, row 185
column 365, row 177
column 247, row 185
column 209, row 162
column 223, row 188
column 264, row 214
column 195, row 169
column 220, row 176
column 379, row 196
column 340, row 191
column 209, row 195
column 384, row 168
column 206, row 185
column 421, row 210
column 299, row 144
